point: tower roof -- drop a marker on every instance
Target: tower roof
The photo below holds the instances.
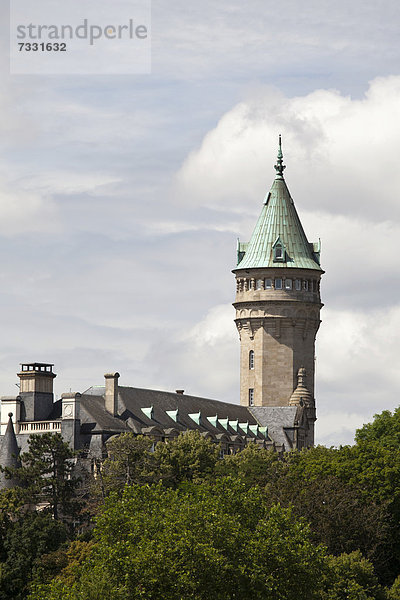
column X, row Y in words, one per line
column 279, row 227
column 9, row 454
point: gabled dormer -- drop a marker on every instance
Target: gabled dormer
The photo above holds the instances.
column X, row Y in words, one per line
column 279, row 251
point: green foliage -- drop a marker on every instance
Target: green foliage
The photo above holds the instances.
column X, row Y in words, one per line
column 352, row 577
column 181, row 523
column 46, row 474
column 198, row 542
column 393, row 593
column 385, row 429
column 372, row 472
column 130, row 460
column 254, row 466
column 189, row 457
column 23, row 543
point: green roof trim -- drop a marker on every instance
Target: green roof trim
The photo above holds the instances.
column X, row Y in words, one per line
column 213, row 420
column 278, row 226
column 148, row 411
column 244, row 426
column 263, row 430
column 173, row 414
column 196, row 417
column 254, row 429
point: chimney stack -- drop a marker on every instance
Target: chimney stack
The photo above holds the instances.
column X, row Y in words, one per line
column 36, row 390
column 111, row 395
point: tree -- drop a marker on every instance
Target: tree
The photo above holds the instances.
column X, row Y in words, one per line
column 254, row 465
column 352, row 577
column 385, row 429
column 203, row 540
column 46, row 474
column 372, row 470
column 130, row 460
column 189, row 457
column 23, row 542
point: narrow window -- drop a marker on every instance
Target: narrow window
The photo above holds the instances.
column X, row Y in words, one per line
column 306, row 285
column 268, row 284
column 278, row 252
column 251, row 397
column 278, row 284
column 297, row 284
column 251, row 359
column 288, row 284
column 259, row 284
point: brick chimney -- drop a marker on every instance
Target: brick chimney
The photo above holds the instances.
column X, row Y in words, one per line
column 111, row 396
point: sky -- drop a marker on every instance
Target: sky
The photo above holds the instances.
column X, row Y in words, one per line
column 122, row 197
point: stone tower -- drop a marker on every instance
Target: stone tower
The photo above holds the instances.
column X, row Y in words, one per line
column 278, row 305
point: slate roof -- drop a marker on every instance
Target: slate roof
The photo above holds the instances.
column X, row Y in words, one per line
column 280, row 420
column 95, row 417
column 278, row 219
column 131, row 401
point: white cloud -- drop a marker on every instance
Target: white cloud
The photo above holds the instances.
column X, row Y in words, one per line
column 341, row 153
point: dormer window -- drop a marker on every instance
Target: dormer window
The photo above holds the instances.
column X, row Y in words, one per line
column 279, row 251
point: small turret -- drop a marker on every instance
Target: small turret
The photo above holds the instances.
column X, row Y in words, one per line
column 301, row 395
column 9, row 455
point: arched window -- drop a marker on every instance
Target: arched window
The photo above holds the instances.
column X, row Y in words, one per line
column 251, row 359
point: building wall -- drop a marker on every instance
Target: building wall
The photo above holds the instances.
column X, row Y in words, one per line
column 280, row 326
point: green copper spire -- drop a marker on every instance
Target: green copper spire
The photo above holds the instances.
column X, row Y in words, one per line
column 279, row 167
column 278, row 239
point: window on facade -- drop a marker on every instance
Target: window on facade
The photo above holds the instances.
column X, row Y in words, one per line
column 278, row 284
column 306, row 284
column 251, row 397
column 268, row 284
column 259, row 283
column 288, row 284
column 297, row 284
column 251, row 359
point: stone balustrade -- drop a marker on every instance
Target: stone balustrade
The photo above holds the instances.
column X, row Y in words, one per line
column 29, row 427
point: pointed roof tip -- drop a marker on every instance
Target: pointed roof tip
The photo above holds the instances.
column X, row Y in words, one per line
column 279, row 167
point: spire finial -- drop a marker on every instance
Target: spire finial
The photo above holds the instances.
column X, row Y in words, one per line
column 279, row 167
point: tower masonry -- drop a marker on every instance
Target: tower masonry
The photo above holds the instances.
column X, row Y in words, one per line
column 278, row 305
